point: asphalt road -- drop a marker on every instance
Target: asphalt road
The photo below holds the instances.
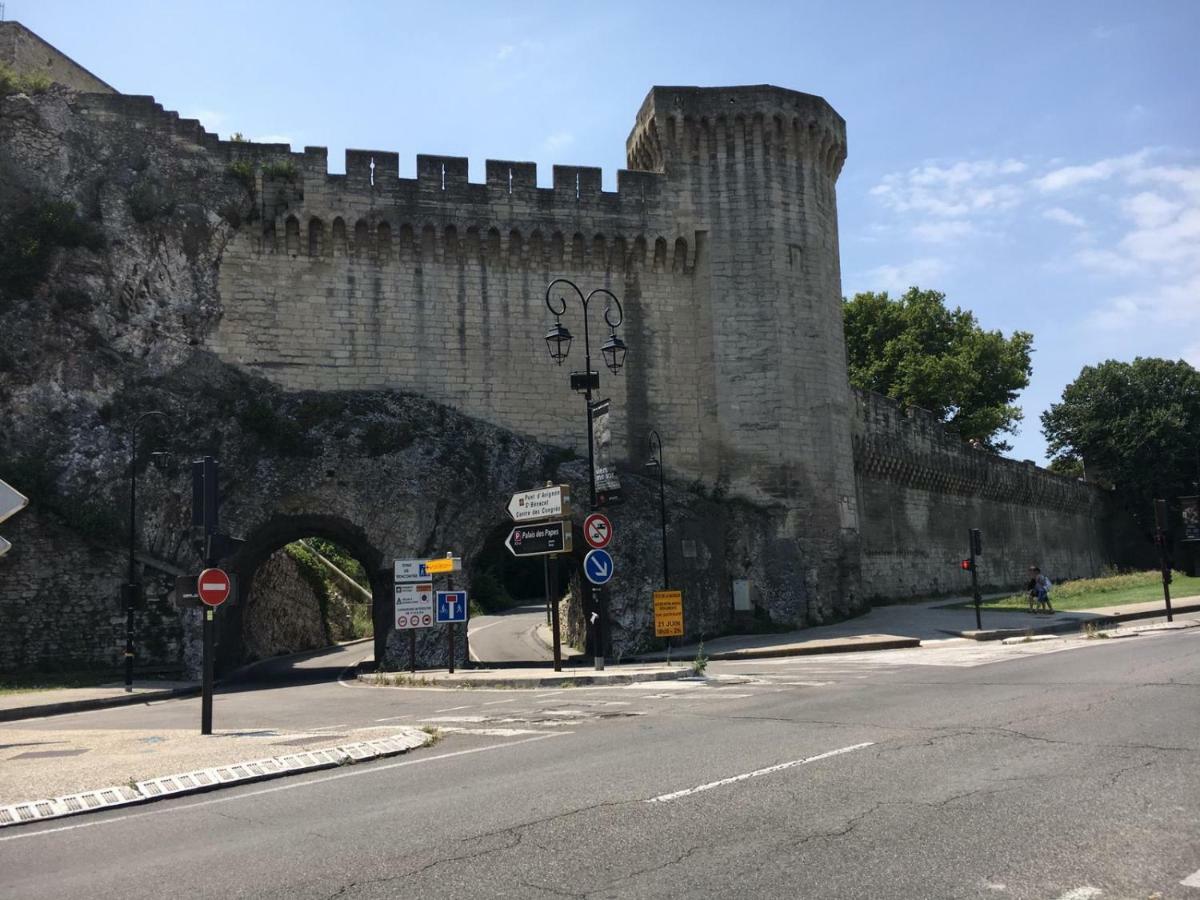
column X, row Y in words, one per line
column 509, row 637
column 1061, row 770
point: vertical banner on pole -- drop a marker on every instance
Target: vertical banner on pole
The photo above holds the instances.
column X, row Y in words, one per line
column 607, row 485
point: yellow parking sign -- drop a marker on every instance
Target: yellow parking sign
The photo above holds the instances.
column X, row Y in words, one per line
column 668, row 613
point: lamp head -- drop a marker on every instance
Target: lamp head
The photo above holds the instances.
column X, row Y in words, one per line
column 558, row 341
column 614, row 350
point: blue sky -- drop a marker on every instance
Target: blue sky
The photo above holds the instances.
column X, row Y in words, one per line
column 1039, row 162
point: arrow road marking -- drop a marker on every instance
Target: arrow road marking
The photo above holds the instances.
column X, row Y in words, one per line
column 687, row 792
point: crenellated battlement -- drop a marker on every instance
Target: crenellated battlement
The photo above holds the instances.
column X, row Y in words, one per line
column 754, row 125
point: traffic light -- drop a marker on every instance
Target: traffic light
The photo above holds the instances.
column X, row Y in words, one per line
column 965, row 565
column 976, row 542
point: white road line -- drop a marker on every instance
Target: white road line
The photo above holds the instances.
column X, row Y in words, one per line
column 453, row 708
column 393, row 718
column 283, row 787
column 1087, row 892
column 496, row 702
column 1192, row 880
column 687, row 792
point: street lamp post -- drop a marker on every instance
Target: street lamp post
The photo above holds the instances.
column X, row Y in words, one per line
column 132, row 585
column 656, row 462
column 558, row 342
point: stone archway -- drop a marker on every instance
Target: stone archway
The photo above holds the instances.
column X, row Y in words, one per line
column 275, row 533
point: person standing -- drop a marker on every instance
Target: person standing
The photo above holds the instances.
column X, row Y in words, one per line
column 1038, row 588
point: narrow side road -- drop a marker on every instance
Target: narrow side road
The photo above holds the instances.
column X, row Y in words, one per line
column 510, row 636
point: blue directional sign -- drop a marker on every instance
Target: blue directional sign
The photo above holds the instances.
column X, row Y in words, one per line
column 451, row 606
column 598, row 567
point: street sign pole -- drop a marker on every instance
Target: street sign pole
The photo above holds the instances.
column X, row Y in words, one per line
column 204, row 487
column 1164, row 558
column 552, row 602
column 973, row 536
column 412, row 651
column 453, row 627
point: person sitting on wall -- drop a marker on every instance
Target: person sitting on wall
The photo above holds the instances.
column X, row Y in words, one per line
column 1038, row 590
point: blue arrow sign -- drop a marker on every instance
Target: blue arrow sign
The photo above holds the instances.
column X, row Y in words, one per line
column 451, row 606
column 598, row 567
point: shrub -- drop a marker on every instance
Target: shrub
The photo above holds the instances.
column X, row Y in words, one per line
column 282, row 170
column 29, row 237
column 13, row 82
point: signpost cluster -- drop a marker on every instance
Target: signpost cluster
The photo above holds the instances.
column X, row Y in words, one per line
column 543, row 528
column 418, row 605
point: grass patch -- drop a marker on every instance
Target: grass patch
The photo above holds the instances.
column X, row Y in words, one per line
column 1091, row 593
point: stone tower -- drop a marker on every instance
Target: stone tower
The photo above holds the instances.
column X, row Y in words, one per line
column 753, row 169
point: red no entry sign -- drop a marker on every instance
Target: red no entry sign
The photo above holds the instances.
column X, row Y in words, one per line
column 597, row 530
column 213, row 586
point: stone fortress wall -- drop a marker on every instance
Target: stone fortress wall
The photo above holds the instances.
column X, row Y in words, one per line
column 920, row 487
column 25, row 52
column 723, row 254
column 721, row 242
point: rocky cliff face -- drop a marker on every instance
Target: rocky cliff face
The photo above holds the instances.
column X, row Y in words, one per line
column 111, row 239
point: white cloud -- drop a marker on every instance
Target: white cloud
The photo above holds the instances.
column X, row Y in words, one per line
column 964, row 188
column 558, row 141
column 1063, row 217
column 1101, row 170
column 943, row 232
column 505, row 52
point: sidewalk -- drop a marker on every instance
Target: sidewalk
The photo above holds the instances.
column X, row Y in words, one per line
column 55, row 701
column 1001, row 624
column 47, row 774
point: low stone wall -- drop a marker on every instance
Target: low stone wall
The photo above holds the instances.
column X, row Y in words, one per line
column 60, row 603
column 921, row 488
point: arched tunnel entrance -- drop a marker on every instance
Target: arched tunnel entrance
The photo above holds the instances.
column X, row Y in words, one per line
column 510, row 616
column 304, row 582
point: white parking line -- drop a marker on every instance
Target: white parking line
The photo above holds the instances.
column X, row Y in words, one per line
column 687, row 792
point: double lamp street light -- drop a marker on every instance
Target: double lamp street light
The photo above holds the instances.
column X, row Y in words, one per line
column 558, row 342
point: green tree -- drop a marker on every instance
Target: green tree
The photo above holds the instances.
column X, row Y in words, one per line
column 915, row 350
column 1133, row 425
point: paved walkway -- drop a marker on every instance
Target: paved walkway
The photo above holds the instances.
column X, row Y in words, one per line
column 29, row 704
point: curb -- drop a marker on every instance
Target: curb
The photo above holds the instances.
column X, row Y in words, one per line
column 556, row 679
column 809, row 649
column 1074, row 625
column 202, row 780
column 802, row 650
column 17, row 713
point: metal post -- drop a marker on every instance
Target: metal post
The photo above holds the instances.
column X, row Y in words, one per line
column 1164, row 558
column 975, row 582
column 597, row 630
column 211, row 497
column 449, row 587
column 412, row 650
column 552, row 601
column 127, row 594
column 206, row 688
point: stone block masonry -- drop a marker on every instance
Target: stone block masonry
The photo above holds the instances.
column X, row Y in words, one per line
column 921, row 488
column 365, row 354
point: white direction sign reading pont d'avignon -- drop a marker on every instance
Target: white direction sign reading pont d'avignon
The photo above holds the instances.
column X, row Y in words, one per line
column 543, row 503
column 414, row 605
